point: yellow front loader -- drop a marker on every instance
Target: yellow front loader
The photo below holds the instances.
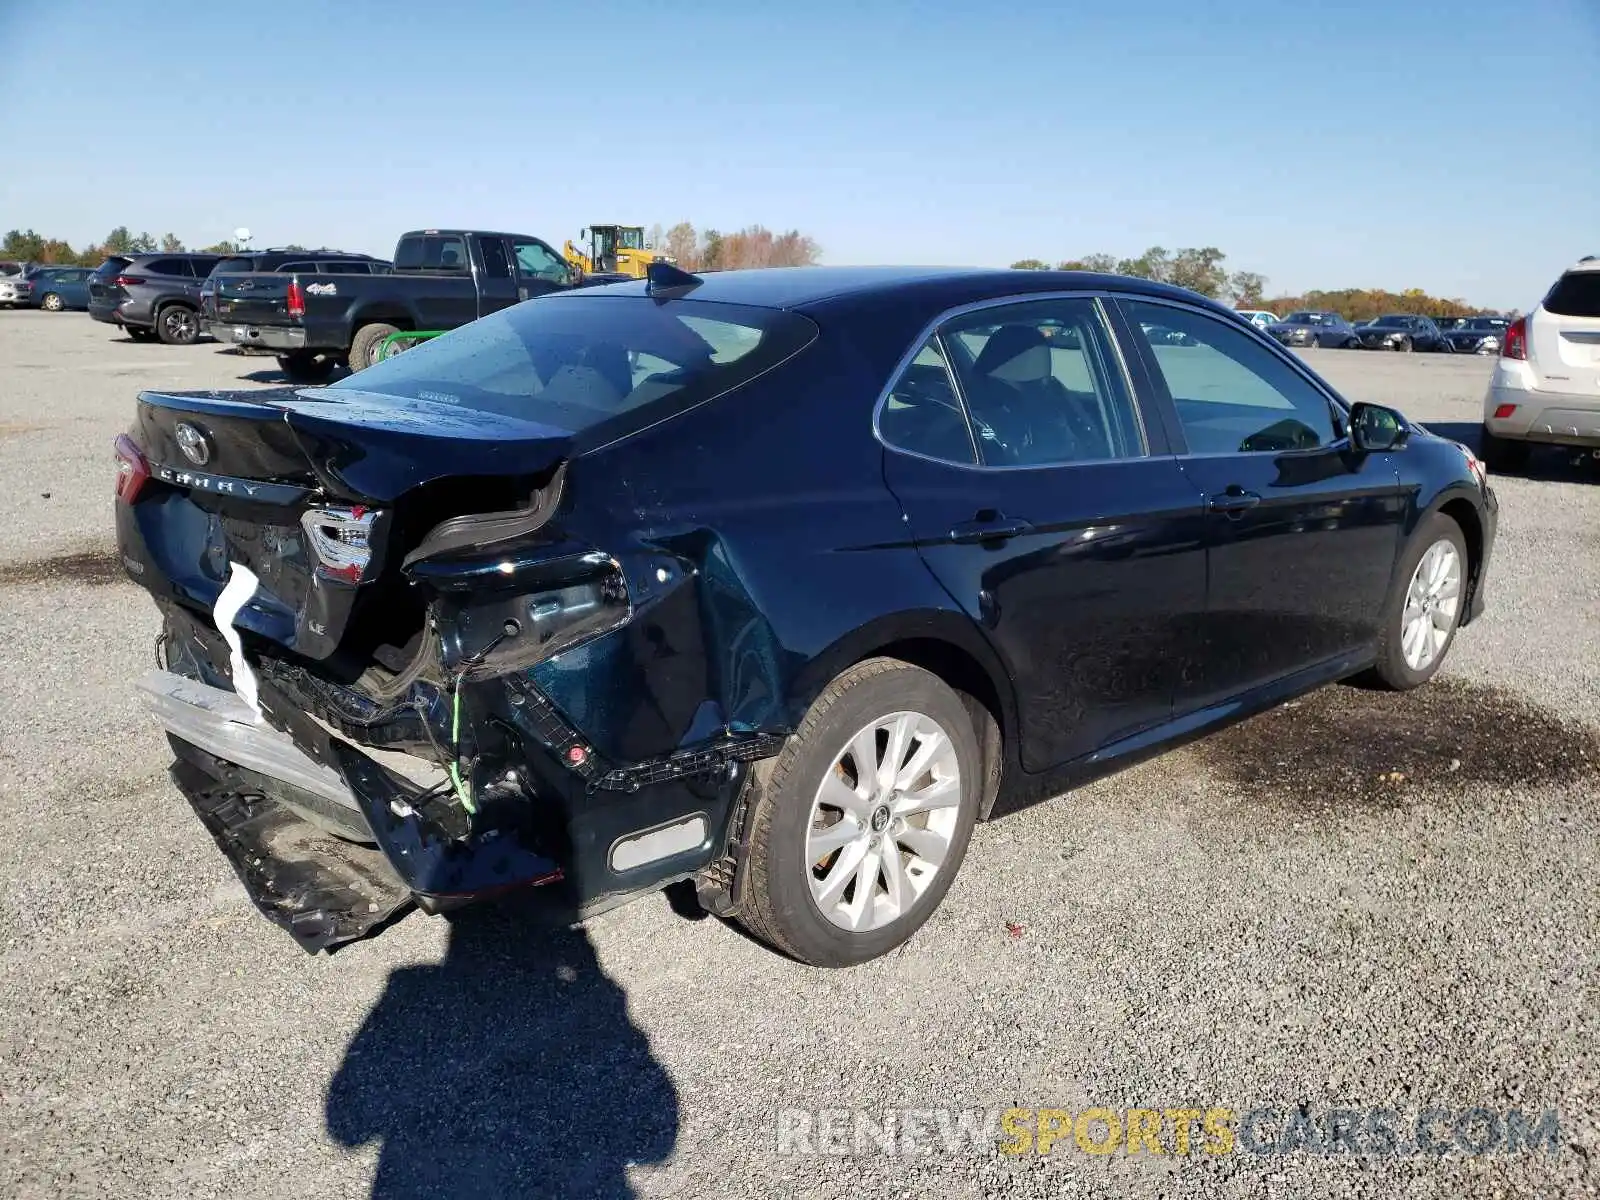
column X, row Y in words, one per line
column 613, row 250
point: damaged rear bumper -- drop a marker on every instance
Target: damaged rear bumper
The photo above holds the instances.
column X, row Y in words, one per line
column 333, row 835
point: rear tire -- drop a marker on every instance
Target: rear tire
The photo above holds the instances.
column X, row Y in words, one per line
column 51, row 302
column 1502, row 454
column 1427, row 600
column 306, row 366
column 364, row 346
column 796, row 898
column 178, row 325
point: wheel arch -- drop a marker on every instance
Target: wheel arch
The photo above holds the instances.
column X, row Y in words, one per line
column 946, row 645
column 1465, row 514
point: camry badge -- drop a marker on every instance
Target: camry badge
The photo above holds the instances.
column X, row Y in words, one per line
column 193, row 444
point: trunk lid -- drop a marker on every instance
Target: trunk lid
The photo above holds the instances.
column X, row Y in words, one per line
column 307, row 499
column 102, row 287
column 1564, row 335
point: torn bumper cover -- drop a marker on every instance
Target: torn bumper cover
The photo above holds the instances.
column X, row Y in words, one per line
column 329, row 853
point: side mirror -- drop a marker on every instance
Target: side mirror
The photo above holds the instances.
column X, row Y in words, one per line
column 1375, row 429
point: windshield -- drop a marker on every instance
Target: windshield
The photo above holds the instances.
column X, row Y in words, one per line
column 1393, row 319
column 1302, row 318
column 1488, row 323
column 581, row 362
column 633, row 239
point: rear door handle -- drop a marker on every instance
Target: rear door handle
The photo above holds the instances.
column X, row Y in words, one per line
column 1234, row 500
column 997, row 529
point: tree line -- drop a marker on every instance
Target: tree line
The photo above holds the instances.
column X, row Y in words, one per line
column 752, row 246
column 1201, row 269
column 27, row 246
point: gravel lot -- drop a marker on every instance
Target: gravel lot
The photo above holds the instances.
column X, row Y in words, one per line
column 1270, row 917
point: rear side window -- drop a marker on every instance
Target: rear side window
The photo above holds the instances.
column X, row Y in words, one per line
column 1042, row 385
column 1576, row 294
column 602, row 365
column 432, row 252
column 167, row 266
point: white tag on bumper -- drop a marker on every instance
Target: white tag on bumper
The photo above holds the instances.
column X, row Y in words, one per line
column 242, row 584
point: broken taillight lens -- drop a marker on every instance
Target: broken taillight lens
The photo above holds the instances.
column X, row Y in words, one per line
column 132, row 469
column 340, row 541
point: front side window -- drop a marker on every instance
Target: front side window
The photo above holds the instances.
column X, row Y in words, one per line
column 1233, row 394
column 541, row 262
column 1042, row 384
column 922, row 413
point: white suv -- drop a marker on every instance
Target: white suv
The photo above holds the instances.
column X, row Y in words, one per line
column 1546, row 386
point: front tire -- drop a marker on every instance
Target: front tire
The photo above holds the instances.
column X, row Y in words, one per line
column 860, row 824
column 1403, row 345
column 1316, row 341
column 178, row 325
column 364, row 346
column 1423, row 612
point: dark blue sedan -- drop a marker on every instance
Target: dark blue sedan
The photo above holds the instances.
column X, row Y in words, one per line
column 777, row 581
column 1313, row 329
column 56, row 289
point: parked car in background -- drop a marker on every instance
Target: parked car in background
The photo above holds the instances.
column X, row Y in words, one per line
column 1404, row 332
column 1474, row 335
column 1314, row 327
column 151, row 296
column 774, row 580
column 11, row 274
column 289, row 262
column 1546, row 384
column 439, row 279
column 56, row 289
column 1259, row 317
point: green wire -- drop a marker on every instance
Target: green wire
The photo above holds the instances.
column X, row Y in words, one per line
column 455, row 742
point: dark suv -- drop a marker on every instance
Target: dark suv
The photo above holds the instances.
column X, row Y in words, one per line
column 302, row 262
column 151, row 295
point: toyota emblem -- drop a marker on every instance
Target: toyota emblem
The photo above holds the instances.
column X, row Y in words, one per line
column 193, row 444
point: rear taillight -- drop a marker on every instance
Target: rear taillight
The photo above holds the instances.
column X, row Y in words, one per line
column 128, row 280
column 1516, row 343
column 132, row 469
column 297, row 299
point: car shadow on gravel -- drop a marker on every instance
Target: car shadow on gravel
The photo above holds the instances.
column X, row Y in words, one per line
column 1551, row 464
column 91, row 567
column 508, row 1069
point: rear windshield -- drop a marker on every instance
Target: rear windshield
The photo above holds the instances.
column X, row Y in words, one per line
column 111, row 266
column 1576, row 294
column 432, row 252
column 603, row 364
column 234, row 266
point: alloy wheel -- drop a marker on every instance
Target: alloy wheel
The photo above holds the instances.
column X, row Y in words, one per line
column 882, row 821
column 179, row 323
column 1432, row 603
column 51, row 303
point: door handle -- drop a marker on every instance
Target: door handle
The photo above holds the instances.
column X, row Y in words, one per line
column 994, row 529
column 1234, row 500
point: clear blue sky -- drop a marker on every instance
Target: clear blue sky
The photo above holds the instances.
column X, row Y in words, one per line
column 1449, row 145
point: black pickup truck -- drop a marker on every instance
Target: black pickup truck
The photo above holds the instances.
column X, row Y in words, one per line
column 440, row 279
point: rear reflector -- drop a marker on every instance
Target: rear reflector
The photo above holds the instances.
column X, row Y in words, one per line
column 1504, row 411
column 132, row 469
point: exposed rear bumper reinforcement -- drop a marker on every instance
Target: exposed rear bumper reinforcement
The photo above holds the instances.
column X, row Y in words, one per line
column 222, row 724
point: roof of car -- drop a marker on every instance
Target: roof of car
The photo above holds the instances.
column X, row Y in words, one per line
column 808, row 287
